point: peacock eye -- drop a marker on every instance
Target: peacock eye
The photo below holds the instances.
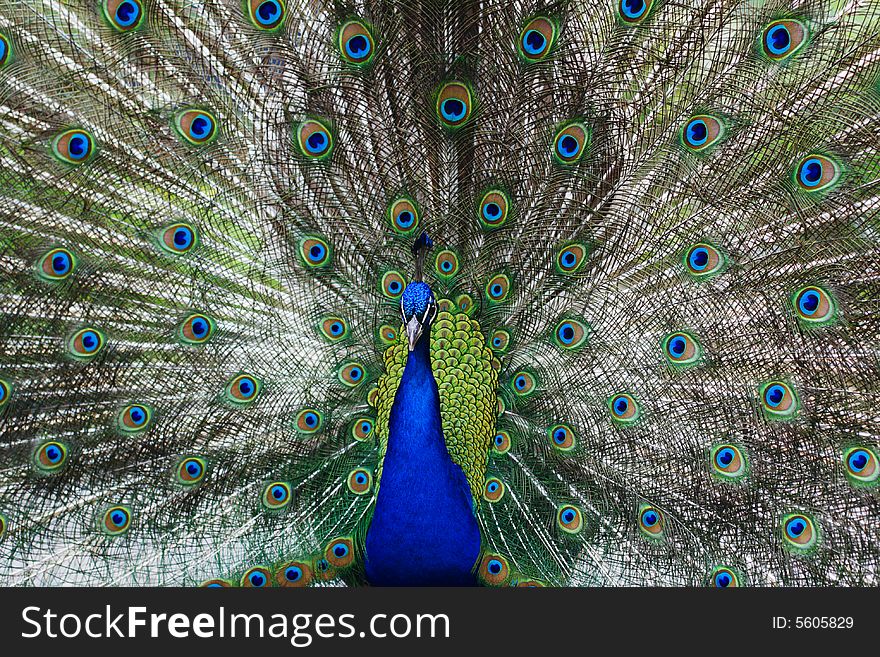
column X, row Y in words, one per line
column 315, row 252
column 56, row 265
column 340, row 552
column 359, row 481
column 783, row 38
column 196, row 329
column 814, row 305
column 681, row 349
column 196, row 126
column 498, row 288
column 816, row 173
column 500, row 340
column 86, row 343
column 633, row 11
column 243, row 389
column 523, row 383
column 392, row 284
column 454, row 104
column 778, row 400
column 570, row 143
column 446, row 264
column 5, row 392
column 570, row 258
column 861, row 466
column 570, row 334
column 315, row 140
column 276, row 495
column 624, row 408
column 494, row 569
column 724, row 578
column 116, row 520
column 703, row 260
column 562, row 437
column 50, row 456
column 465, row 303
column 191, row 470
column 309, row 420
column 351, row 374
column 651, row 521
column 701, row 132
column 799, row 532
column 124, row 15
column 333, row 328
column 266, row 14
column 356, row 43
column 501, row 442
column 294, row 573
column 178, row 238
column 537, row 38
column 493, row 490
column 494, row 209
column 256, row 578
column 362, row 429
column 404, row 216
column 134, row 418
column 74, row 146
column 727, row 461
column 569, row 519
column 5, row 50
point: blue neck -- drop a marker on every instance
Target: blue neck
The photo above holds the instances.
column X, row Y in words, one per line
column 423, row 530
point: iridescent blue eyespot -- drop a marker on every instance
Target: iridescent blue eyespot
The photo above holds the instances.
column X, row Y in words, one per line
column 293, row 573
column 454, row 104
column 633, row 11
column 783, row 38
column 536, row 39
column 256, row 578
column 196, row 126
column 356, row 43
column 315, row 140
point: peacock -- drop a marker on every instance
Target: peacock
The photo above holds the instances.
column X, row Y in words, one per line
column 439, row 292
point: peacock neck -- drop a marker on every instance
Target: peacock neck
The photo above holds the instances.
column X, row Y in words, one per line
column 423, row 529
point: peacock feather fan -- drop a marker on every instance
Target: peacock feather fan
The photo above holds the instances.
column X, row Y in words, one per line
column 447, row 292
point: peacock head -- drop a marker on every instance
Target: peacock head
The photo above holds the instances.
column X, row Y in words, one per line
column 418, row 307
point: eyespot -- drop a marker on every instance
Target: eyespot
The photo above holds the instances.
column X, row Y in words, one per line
column 570, row 143
column 523, row 383
column 570, row 334
column 5, row 393
column 727, row 461
column 315, row 252
column 216, row 583
column 454, row 104
column 814, row 305
column 315, row 140
column 191, row 470
column 783, row 38
column 465, row 303
column 5, row 50
column 861, row 465
column 500, row 341
column 816, row 173
column 494, row 569
column 501, row 442
column 701, row 132
column 243, row 389
column 624, row 408
column 387, row 334
column 570, row 258
column 86, row 343
column 778, row 400
column 309, row 420
column 56, row 265
column 134, row 418
column 334, row 328
column 362, row 429
column 723, row 577
column 530, row 584
column 493, row 490
column 50, row 456
column 799, row 532
column 569, row 519
column 196, row 329
column 295, row 574
column 340, row 552
column 404, row 216
column 266, row 14
column 351, row 374
column 494, row 209
column 537, row 38
column 392, row 284
column 74, row 146
column 498, row 288
column 562, row 437
column 178, row 238
column 651, row 521
column 633, row 11
column 323, row 570
column 124, row 15
column 446, row 264
column 359, row 481
column 116, row 520
column 276, row 495
column 681, row 349
column 356, row 43
column 702, row 260
column 196, row 126
column 257, row 577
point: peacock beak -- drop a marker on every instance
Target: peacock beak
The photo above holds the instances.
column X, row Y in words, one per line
column 413, row 331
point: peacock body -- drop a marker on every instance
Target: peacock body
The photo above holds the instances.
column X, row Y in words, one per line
column 511, row 293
